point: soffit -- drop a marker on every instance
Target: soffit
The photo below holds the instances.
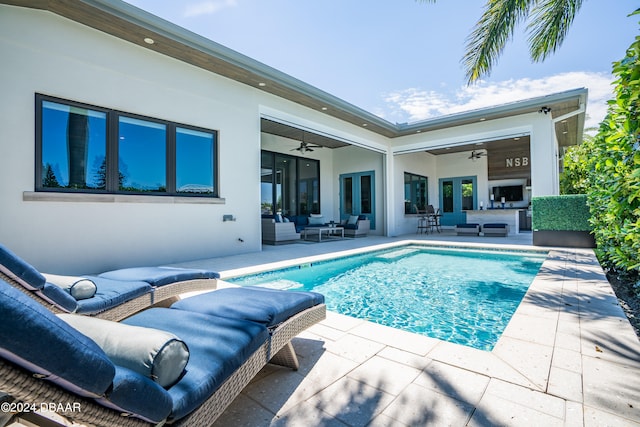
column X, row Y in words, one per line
column 286, row 131
column 499, row 144
column 129, row 23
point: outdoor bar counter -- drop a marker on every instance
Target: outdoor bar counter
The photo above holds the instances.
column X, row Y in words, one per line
column 511, row 217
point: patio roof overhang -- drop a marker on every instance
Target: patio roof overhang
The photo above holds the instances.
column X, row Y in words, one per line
column 136, row 26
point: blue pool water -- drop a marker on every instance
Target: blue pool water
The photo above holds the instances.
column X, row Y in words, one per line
column 462, row 296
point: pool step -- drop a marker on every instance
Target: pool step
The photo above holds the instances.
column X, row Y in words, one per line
column 390, row 256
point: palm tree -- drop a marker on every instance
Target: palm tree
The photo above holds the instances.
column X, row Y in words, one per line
column 549, row 22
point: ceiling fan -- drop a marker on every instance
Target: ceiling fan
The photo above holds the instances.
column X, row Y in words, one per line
column 304, row 146
column 476, row 154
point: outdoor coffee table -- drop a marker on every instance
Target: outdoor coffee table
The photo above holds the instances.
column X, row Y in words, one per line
column 327, row 231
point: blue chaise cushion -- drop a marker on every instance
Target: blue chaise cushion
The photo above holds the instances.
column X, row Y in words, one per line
column 159, row 276
column 218, row 346
column 158, row 355
column 111, row 293
column 269, row 307
column 34, row 338
column 78, row 287
column 19, row 270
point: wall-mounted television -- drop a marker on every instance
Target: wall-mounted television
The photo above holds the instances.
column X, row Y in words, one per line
column 511, row 193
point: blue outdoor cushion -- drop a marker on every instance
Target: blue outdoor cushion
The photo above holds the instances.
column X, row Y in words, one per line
column 218, row 346
column 159, row 276
column 469, row 225
column 111, row 293
column 136, row 394
column 34, row 338
column 495, row 225
column 19, row 270
column 269, row 307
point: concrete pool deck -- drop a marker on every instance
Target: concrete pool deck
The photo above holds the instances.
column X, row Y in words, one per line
column 568, row 357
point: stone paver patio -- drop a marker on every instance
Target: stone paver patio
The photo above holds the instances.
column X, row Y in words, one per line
column 569, row 357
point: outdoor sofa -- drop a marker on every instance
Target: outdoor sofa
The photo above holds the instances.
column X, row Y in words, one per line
column 181, row 365
column 278, row 229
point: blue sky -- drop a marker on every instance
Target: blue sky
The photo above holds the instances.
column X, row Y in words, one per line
column 400, row 59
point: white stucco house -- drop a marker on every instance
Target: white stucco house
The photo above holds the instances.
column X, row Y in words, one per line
column 127, row 140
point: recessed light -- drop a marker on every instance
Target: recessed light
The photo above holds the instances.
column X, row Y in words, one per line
column 565, row 132
column 149, row 40
column 262, row 84
column 482, row 119
column 324, row 108
column 365, row 124
column 517, row 138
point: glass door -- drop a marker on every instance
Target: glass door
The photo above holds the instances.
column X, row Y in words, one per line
column 357, row 194
column 457, row 195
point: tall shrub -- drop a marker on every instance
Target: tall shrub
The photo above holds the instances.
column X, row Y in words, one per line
column 614, row 196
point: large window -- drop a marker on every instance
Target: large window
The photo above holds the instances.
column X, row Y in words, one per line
column 83, row 148
column 415, row 193
column 289, row 184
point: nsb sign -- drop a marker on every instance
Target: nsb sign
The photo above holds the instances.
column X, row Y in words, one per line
column 516, row 162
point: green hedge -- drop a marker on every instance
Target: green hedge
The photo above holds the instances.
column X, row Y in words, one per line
column 569, row 212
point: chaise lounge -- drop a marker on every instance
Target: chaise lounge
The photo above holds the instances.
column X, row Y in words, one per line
column 181, row 365
column 112, row 295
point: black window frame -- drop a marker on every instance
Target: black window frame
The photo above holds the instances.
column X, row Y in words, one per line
column 111, row 152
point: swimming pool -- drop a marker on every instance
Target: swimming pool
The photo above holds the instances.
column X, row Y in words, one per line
column 458, row 295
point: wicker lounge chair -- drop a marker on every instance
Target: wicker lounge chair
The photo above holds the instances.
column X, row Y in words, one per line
column 225, row 354
column 117, row 294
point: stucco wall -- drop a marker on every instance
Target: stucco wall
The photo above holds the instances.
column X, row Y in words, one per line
column 61, row 58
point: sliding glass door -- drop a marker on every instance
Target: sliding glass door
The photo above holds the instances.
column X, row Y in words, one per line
column 289, row 184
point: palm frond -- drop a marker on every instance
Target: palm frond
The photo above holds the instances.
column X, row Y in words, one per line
column 490, row 34
column 548, row 26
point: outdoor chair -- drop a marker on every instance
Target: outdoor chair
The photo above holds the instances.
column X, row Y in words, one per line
column 356, row 226
column 112, row 295
column 86, row 361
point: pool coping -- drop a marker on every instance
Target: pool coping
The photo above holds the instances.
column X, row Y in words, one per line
column 566, row 357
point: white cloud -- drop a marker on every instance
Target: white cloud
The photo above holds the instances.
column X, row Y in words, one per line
column 414, row 104
column 207, row 7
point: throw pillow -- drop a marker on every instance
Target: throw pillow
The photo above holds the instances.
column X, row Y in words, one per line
column 79, row 287
column 156, row 354
column 353, row 220
column 316, row 220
